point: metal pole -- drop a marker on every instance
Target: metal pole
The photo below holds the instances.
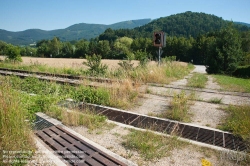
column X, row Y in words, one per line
column 159, row 56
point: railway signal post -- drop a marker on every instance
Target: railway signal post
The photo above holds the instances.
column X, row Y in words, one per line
column 159, row 41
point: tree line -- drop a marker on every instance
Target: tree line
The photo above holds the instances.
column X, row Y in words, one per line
column 221, row 51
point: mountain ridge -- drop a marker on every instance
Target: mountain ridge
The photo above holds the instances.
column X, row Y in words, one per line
column 72, row 32
column 181, row 24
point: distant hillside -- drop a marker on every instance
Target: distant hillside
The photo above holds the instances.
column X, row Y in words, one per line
column 183, row 24
column 74, row 32
column 242, row 23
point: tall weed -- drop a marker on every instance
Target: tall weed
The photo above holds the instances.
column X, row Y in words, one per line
column 151, row 146
column 15, row 132
column 238, row 121
column 179, row 106
column 198, row 80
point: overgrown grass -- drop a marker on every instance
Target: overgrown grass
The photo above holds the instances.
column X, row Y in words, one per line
column 238, row 121
column 48, row 94
column 15, row 131
column 167, row 72
column 179, row 106
column 121, row 96
column 163, row 74
column 151, row 146
column 79, row 118
column 232, row 83
column 198, row 80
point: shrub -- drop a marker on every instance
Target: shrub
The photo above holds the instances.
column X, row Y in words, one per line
column 169, row 59
column 242, row 71
column 95, row 66
column 142, row 56
column 13, row 54
column 91, row 95
column 126, row 65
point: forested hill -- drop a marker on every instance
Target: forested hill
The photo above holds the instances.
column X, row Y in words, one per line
column 183, row 24
column 74, row 32
column 242, row 23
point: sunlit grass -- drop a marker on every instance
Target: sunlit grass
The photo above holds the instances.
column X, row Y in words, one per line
column 88, row 119
column 166, row 73
column 179, row 107
column 151, row 146
column 163, row 74
column 198, row 80
column 15, row 130
column 238, row 121
column 232, row 83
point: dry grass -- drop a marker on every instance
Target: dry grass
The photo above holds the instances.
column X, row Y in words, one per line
column 16, row 138
column 124, row 95
column 150, row 145
column 67, row 62
column 153, row 73
column 86, row 118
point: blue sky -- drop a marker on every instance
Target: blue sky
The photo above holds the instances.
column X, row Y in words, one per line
column 19, row 15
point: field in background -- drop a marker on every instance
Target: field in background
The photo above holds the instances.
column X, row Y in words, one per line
column 67, row 63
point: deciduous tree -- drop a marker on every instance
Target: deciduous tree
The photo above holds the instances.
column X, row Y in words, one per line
column 226, row 53
column 13, row 54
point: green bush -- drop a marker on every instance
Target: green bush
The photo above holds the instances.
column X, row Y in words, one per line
column 13, row 54
column 142, row 56
column 91, row 95
column 95, row 66
column 169, row 59
column 126, row 65
column 242, row 71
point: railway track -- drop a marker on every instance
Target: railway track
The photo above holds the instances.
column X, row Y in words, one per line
column 26, row 73
column 104, row 82
column 78, row 80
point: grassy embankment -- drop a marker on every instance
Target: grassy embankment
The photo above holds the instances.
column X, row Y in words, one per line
column 233, row 84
